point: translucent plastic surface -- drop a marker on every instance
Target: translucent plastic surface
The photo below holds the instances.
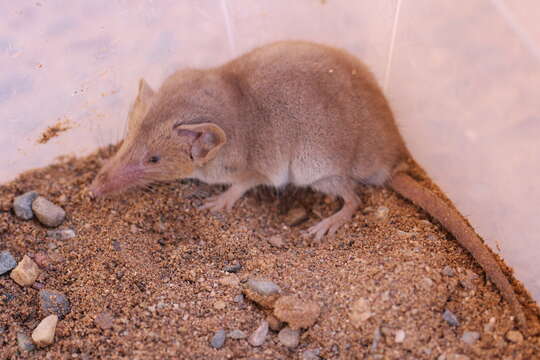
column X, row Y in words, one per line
column 462, row 76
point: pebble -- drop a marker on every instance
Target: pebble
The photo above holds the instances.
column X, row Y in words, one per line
column 24, row 342
column 311, row 354
column 218, row 339
column 289, row 337
column 490, row 325
column 296, row 216
column 26, row 272
column 43, row 334
column 7, row 262
column 104, row 320
column 263, row 287
column 450, row 318
column 448, row 271
column 54, row 302
column 22, row 205
column 237, row 334
column 470, row 337
column 220, row 305
column 514, row 336
column 64, row 234
column 456, row 357
column 48, row 213
column 400, row 336
column 42, row 260
column 239, row 298
column 258, row 337
column 276, row 241
column 233, row 268
column 381, row 212
column 360, row 312
column 263, row 292
column 297, row 313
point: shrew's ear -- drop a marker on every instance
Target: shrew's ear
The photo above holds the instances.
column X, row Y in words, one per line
column 205, row 139
column 141, row 105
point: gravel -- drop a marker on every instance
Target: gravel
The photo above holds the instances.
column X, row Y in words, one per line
column 22, row 205
column 450, row 318
column 24, row 342
column 26, row 272
column 263, row 287
column 7, row 262
column 258, row 337
column 237, row 334
column 48, row 213
column 289, row 337
column 54, row 302
column 63, row 234
column 43, row 334
column 218, row 340
column 470, row 337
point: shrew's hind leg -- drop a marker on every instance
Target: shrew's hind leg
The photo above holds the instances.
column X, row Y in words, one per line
column 341, row 186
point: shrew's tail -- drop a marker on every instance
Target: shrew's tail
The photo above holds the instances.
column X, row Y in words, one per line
column 454, row 222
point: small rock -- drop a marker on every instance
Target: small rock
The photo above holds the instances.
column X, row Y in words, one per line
column 258, row 337
column 230, row 280
column 276, row 241
column 6, row 297
column 426, row 283
column 457, row 357
column 233, row 268
column 42, row 260
column 360, row 312
column 297, row 313
column 220, row 305
column 448, row 271
column 311, row 354
column 26, row 272
column 400, row 336
column 450, row 318
column 296, row 216
column 490, row 325
column 43, row 334
column 218, row 339
column 274, row 323
column 48, row 213
column 381, row 212
column 289, row 337
column 237, row 334
column 514, row 336
column 64, row 234
column 7, row 262
column 470, row 337
column 469, row 281
column 239, row 298
column 263, row 292
column 104, row 320
column 54, row 302
column 24, row 342
column 22, row 205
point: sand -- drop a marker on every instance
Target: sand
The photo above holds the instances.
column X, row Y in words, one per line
column 150, row 267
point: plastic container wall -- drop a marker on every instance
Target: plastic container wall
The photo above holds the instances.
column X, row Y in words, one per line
column 463, row 79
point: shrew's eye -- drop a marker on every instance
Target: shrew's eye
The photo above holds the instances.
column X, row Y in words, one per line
column 154, row 159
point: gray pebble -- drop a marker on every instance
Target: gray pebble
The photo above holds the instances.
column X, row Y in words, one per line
column 233, row 268
column 48, row 213
column 218, row 339
column 289, row 337
column 263, row 287
column 237, row 334
column 24, row 342
column 63, row 234
column 448, row 271
column 54, row 302
column 7, row 262
column 239, row 298
column 450, row 318
column 22, row 205
column 311, row 354
column 470, row 337
column 259, row 335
